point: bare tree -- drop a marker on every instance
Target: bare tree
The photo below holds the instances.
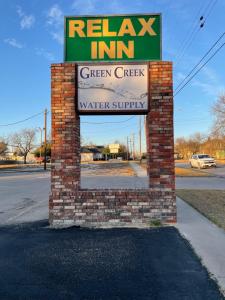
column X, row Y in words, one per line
column 23, row 141
column 3, row 147
column 190, row 145
column 195, row 142
column 181, row 147
column 214, row 145
column 219, row 112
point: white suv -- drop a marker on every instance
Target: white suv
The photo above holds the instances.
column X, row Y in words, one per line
column 202, row 161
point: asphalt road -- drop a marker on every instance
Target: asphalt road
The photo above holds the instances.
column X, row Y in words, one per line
column 24, row 196
column 214, row 183
column 80, row 264
column 218, row 171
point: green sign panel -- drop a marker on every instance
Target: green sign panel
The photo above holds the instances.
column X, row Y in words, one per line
column 113, row 38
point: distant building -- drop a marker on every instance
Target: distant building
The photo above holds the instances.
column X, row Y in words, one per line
column 114, row 148
column 86, row 155
column 12, row 156
column 91, row 153
column 97, row 154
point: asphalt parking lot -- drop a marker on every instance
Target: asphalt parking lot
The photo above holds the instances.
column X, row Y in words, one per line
column 37, row 262
column 41, row 263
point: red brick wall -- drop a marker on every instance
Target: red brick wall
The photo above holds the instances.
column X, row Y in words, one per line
column 160, row 126
column 70, row 205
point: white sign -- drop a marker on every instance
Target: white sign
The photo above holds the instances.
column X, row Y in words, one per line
column 114, row 148
column 113, row 88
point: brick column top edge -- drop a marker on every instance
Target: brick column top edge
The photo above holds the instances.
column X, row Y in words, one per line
column 161, row 62
column 62, row 65
column 73, row 63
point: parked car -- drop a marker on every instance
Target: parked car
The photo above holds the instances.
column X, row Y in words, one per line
column 202, row 161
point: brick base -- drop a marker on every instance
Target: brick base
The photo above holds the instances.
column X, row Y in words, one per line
column 113, row 208
column 70, row 205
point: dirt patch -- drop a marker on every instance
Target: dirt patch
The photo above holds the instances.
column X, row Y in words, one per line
column 220, row 161
column 13, row 166
column 181, row 160
column 211, row 203
column 182, row 172
column 107, row 169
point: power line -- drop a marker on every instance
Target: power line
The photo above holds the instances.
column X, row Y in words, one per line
column 189, row 38
column 97, row 123
column 188, row 45
column 202, row 20
column 116, row 122
column 106, row 129
column 193, row 26
column 21, row 121
column 210, row 10
column 199, row 69
column 200, row 60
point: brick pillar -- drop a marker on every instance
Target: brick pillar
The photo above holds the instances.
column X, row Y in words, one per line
column 68, row 204
column 65, row 139
column 160, row 127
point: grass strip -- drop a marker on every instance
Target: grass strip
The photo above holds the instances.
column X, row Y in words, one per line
column 210, row 203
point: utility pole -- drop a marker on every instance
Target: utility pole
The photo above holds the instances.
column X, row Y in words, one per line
column 41, row 140
column 45, row 138
column 130, row 148
column 145, row 126
column 127, row 148
column 140, row 137
column 133, row 147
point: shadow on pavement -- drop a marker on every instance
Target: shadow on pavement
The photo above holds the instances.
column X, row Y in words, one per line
column 38, row 262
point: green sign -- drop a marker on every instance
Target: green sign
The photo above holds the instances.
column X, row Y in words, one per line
column 113, row 38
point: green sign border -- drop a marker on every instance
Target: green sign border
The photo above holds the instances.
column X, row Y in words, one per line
column 113, row 60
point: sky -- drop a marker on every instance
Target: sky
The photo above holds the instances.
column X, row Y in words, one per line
column 31, row 39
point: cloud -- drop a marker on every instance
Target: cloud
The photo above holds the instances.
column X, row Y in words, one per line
column 26, row 21
column 88, row 8
column 209, row 88
column 55, row 16
column 210, row 74
column 115, row 6
column 209, row 83
column 207, row 80
column 47, row 55
column 58, row 36
column 14, row 43
column 55, row 20
column 179, row 76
